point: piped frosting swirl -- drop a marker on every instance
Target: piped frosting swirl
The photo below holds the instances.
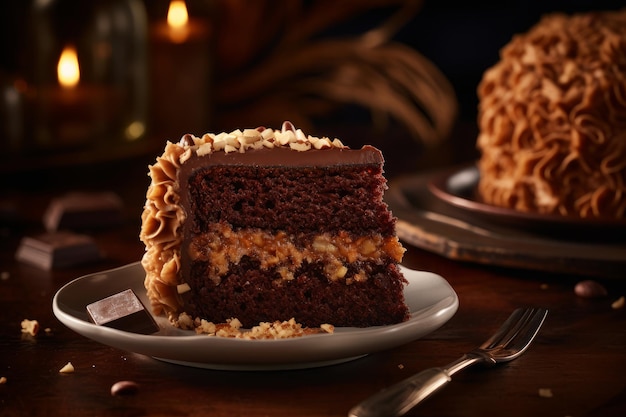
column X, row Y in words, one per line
column 552, row 119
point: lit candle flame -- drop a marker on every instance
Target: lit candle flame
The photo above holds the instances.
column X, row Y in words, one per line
column 177, row 16
column 67, row 70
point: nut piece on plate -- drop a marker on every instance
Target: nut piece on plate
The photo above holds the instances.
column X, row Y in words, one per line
column 81, row 210
column 123, row 311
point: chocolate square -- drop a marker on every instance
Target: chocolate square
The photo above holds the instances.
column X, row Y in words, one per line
column 57, row 250
column 123, row 311
column 83, row 210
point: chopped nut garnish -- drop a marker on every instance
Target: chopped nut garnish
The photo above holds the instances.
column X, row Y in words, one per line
column 619, row 303
column 67, row 369
column 328, row 328
column 30, row 326
column 185, row 321
column 183, row 288
column 265, row 330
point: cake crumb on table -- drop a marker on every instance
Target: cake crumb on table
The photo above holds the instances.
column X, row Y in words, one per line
column 3, row 380
column 30, row 326
column 619, row 303
column 68, row 368
column 545, row 393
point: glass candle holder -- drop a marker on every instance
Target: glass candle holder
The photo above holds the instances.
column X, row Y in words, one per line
column 86, row 73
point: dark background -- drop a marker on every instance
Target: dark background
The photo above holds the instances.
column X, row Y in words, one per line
column 461, row 39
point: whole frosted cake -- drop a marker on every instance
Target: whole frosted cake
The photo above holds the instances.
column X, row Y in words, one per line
column 552, row 119
column 264, row 225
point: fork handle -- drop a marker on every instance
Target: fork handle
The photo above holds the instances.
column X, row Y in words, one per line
column 401, row 397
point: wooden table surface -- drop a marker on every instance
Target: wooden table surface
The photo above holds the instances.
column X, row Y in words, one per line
column 579, row 355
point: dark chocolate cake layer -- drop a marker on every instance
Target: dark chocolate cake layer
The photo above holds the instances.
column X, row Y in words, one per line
column 253, row 295
column 290, row 199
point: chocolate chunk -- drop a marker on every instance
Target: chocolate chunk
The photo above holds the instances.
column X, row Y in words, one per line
column 56, row 250
column 83, row 210
column 123, row 311
column 187, row 140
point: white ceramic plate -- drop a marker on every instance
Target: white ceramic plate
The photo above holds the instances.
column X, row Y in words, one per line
column 430, row 298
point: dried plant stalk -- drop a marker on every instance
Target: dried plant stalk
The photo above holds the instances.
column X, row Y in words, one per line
column 303, row 78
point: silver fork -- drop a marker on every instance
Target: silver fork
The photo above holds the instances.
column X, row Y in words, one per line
column 509, row 342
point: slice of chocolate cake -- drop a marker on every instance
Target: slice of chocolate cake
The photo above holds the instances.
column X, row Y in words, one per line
column 264, row 225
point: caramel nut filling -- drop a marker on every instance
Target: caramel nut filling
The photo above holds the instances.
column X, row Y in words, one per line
column 222, row 246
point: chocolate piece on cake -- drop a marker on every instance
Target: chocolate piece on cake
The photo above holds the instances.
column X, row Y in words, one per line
column 264, row 225
column 123, row 311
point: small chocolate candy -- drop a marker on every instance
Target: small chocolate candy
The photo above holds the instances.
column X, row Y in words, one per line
column 187, row 140
column 57, row 250
column 124, row 388
column 83, row 210
column 123, row 311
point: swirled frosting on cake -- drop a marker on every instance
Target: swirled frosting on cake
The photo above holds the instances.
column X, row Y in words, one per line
column 552, row 119
column 163, row 215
